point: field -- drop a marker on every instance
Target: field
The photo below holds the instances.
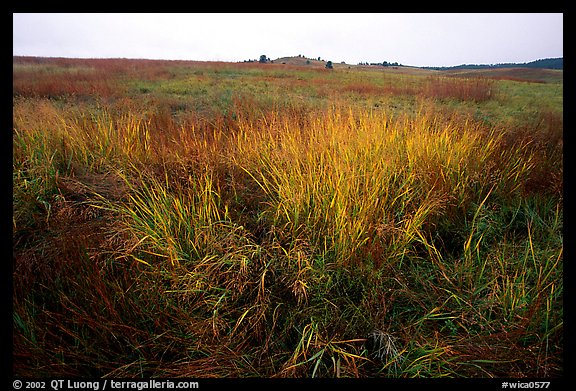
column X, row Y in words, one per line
column 197, row 219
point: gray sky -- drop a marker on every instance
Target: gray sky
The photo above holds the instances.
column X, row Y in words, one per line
column 410, row 39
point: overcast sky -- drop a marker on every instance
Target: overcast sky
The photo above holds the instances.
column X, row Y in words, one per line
column 410, row 39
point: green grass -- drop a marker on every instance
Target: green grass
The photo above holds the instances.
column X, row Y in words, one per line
column 212, row 219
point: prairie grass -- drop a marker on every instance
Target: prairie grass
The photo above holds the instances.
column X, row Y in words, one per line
column 213, row 219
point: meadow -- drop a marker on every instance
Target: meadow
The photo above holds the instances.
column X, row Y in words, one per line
column 200, row 219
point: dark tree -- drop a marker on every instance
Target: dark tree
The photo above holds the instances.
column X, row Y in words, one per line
column 263, row 58
column 329, row 65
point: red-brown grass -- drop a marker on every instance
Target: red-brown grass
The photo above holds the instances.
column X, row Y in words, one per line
column 474, row 89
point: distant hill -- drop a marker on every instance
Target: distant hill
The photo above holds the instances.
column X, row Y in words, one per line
column 546, row 63
column 300, row 60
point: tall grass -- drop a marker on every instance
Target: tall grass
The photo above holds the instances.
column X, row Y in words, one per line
column 353, row 181
column 275, row 237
